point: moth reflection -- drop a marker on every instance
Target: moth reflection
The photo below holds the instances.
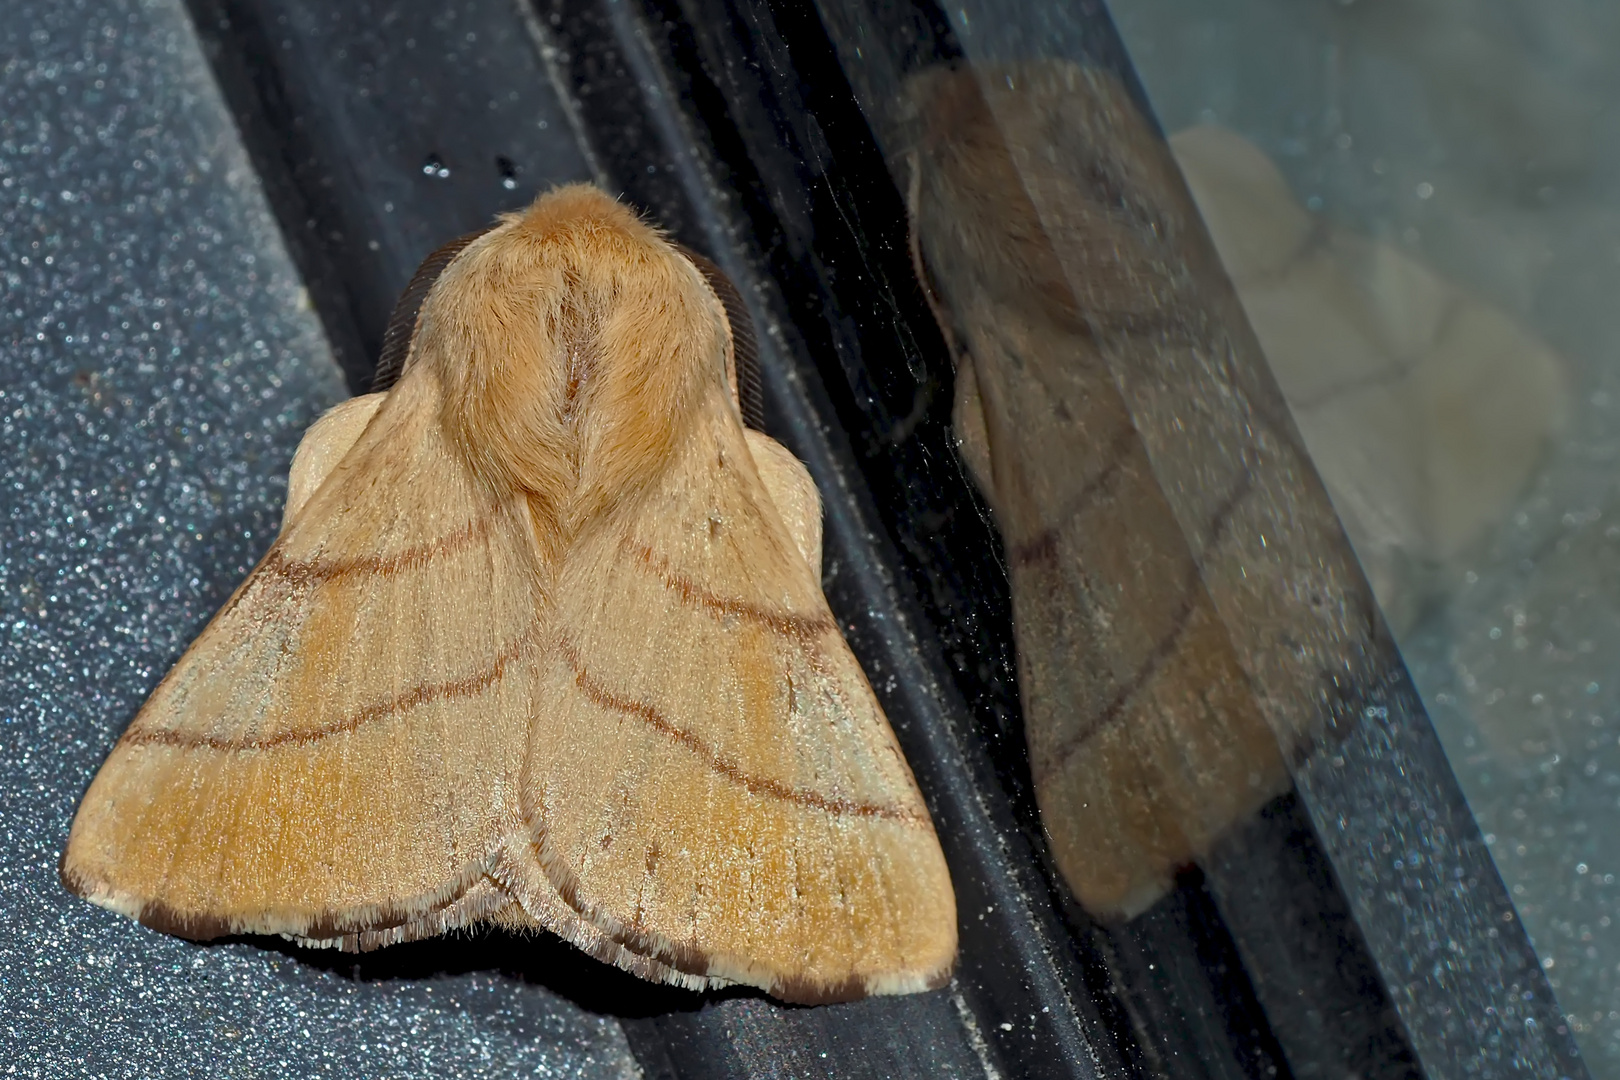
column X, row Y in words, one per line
column 1183, row 624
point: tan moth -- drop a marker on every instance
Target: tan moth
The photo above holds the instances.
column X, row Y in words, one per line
column 541, row 643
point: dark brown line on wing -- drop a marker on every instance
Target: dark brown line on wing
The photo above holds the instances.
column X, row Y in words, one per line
column 421, row 694
column 1042, row 547
column 1222, row 517
column 695, row 595
column 319, row 571
column 1165, row 647
column 634, row 938
column 647, row 714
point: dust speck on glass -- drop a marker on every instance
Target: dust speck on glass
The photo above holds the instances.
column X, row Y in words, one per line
column 157, row 366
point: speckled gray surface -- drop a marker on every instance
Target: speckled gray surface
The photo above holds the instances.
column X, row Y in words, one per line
column 157, row 365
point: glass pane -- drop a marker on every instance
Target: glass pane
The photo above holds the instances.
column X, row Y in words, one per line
column 1211, row 696
column 1420, row 206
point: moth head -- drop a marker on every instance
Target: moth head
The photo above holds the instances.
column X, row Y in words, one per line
column 572, row 346
column 742, row 349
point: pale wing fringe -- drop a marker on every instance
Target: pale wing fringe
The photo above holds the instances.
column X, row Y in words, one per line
column 540, row 907
column 503, row 899
column 483, row 901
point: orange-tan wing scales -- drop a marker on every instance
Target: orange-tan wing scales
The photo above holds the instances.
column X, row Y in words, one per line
column 337, row 753
column 711, row 782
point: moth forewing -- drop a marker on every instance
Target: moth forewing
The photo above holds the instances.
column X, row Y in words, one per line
column 291, row 773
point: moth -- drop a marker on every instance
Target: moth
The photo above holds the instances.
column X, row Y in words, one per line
column 1179, row 613
column 541, row 644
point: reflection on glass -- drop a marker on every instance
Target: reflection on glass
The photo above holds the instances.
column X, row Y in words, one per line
column 1205, row 674
column 1145, row 740
column 1185, row 611
column 1470, row 142
column 1425, row 410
